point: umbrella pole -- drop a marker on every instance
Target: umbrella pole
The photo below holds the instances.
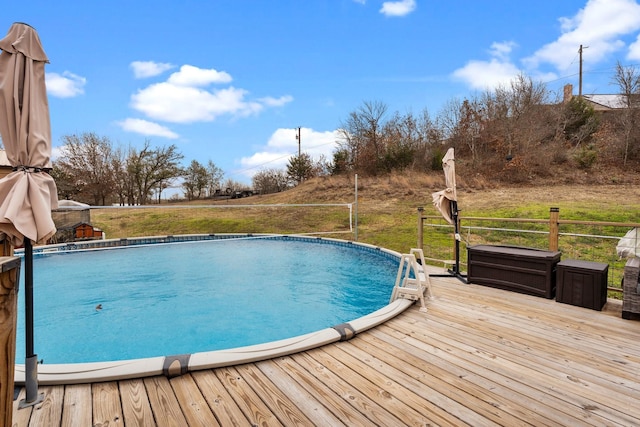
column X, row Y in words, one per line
column 456, row 232
column 31, row 360
column 456, row 239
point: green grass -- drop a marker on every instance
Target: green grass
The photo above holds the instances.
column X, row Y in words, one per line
column 120, row 223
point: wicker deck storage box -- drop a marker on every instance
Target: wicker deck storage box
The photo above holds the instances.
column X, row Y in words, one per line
column 631, row 296
column 524, row 270
column 582, row 283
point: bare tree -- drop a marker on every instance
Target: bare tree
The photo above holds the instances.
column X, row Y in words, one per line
column 470, row 127
column 149, row 167
column 86, row 164
column 514, row 113
column 448, row 118
column 628, row 81
column 196, row 180
column 215, row 177
column 122, row 183
column 270, row 181
column 400, row 137
column 361, row 136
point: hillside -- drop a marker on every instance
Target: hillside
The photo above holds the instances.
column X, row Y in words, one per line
column 401, row 191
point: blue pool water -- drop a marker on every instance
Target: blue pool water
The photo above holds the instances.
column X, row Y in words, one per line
column 169, row 299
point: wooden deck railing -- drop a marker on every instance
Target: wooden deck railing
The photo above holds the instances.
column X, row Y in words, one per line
column 9, row 276
column 576, row 239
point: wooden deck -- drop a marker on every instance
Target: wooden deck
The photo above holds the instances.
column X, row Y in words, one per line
column 479, row 357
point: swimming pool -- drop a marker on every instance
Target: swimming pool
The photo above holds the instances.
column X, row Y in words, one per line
column 203, row 300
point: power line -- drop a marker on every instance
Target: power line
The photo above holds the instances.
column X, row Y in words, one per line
column 278, row 158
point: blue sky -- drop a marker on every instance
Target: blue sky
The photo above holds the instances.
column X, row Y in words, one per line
column 231, row 80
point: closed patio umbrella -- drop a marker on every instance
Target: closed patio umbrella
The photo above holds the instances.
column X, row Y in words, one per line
column 442, row 199
column 27, row 194
column 446, row 202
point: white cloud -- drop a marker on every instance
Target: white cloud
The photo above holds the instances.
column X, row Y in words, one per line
column 144, row 69
column 283, row 144
column 634, row 50
column 66, row 85
column 398, row 8
column 184, row 99
column 56, row 153
column 599, row 25
column 183, row 104
column 145, row 127
column 502, row 51
column 194, row 76
column 499, row 70
column 276, row 102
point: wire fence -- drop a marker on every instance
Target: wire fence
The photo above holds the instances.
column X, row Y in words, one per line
column 138, row 221
column 579, row 240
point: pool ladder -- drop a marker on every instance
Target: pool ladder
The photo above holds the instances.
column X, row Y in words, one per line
column 412, row 281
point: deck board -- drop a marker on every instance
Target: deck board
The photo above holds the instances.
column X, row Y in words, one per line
column 252, row 406
column 164, row 404
column 219, row 400
column 443, row 388
column 136, row 408
column 194, row 405
column 77, row 408
column 310, row 411
column 278, row 395
column 480, row 356
column 107, row 409
column 462, row 385
column 49, row 412
column 520, row 374
column 337, row 395
column 371, row 383
column 22, row 416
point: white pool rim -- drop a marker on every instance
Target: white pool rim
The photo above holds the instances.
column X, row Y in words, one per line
column 76, row 373
column 171, row 366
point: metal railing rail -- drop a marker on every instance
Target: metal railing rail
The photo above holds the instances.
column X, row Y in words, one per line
column 565, row 235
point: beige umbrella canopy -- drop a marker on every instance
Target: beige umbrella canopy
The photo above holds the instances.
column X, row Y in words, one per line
column 446, row 201
column 442, row 199
column 28, row 194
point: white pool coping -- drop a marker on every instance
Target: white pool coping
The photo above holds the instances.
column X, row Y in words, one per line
column 78, row 373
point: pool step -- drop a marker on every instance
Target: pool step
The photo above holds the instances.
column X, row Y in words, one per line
column 412, row 281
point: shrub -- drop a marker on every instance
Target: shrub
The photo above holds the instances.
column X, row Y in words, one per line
column 586, row 156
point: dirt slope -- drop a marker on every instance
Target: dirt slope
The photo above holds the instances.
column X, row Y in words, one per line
column 476, row 195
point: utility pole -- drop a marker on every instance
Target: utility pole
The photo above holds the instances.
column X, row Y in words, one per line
column 299, row 141
column 580, row 74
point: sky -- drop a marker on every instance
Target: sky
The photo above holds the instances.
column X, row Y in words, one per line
column 231, row 81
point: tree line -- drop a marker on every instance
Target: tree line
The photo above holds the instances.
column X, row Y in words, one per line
column 91, row 169
column 512, row 133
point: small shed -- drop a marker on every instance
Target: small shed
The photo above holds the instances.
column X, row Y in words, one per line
column 73, row 222
column 80, row 231
column 70, row 213
column 86, row 231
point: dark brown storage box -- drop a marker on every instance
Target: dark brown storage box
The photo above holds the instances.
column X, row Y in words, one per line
column 582, row 283
column 524, row 270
